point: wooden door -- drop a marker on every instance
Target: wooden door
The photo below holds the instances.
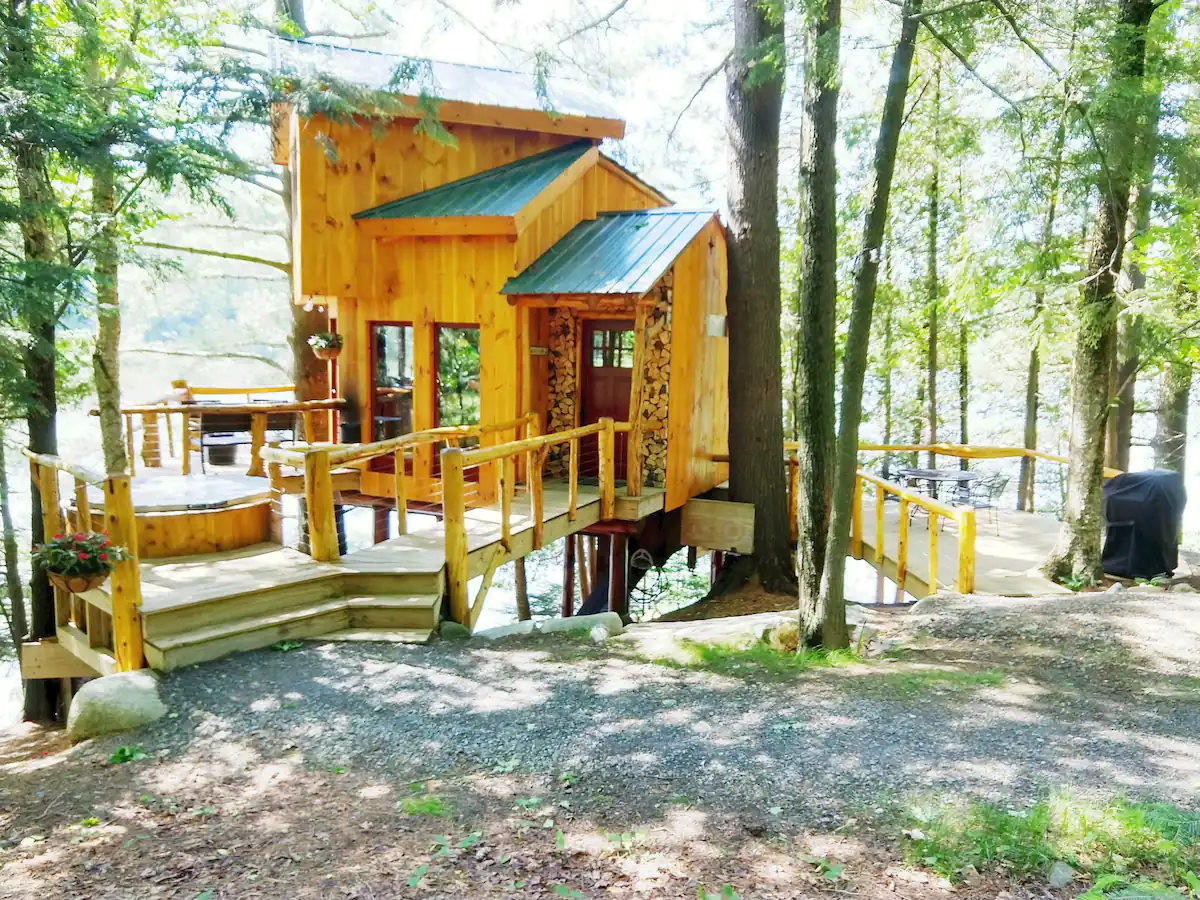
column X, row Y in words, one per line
column 607, row 374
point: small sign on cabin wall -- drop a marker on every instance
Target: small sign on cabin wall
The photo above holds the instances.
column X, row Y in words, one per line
column 539, row 351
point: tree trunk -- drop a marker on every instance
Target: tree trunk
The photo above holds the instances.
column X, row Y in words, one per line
column 964, row 389
column 1078, row 551
column 931, row 284
column 17, row 621
column 866, row 274
column 105, row 357
column 1170, row 437
column 755, row 376
column 816, row 410
column 522, row 587
column 1131, row 329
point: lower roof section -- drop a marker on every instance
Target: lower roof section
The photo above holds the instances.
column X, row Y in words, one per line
column 615, row 253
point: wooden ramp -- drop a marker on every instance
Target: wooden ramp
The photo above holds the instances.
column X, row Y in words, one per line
column 197, row 608
column 1008, row 551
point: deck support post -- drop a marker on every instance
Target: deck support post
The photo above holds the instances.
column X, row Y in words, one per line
column 902, row 549
column 522, row 586
column 618, row 591
column 398, row 490
column 600, row 561
column 318, row 496
column 716, row 559
column 151, row 449
column 856, row 520
column 126, row 586
column 383, row 517
column 455, row 523
column 568, row 583
column 258, row 440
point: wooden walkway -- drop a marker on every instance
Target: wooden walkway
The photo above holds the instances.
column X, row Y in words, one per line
column 1006, row 564
column 196, row 608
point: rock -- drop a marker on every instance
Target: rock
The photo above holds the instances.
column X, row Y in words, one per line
column 599, row 634
column 1182, row 588
column 1115, row 589
column 862, row 635
column 503, row 631
column 452, row 631
column 970, row 875
column 784, row 637
column 609, row 621
column 115, row 703
column 1060, row 874
column 935, row 602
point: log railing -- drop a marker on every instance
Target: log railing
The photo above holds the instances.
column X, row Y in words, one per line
column 455, row 462
column 936, row 512
column 191, row 415
column 319, row 461
column 123, row 631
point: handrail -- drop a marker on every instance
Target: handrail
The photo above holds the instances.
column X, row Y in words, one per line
column 975, row 451
column 454, row 463
column 205, row 409
column 120, row 523
column 963, row 516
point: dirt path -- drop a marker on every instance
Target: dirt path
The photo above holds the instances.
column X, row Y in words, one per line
column 341, row 770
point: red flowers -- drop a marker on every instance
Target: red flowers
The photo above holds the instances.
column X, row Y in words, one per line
column 103, row 557
column 82, row 555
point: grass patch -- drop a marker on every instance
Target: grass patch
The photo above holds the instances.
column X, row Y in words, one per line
column 906, row 685
column 754, row 661
column 425, row 805
column 1120, row 845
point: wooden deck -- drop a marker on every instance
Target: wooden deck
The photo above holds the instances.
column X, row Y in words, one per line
column 1006, row 564
column 200, row 607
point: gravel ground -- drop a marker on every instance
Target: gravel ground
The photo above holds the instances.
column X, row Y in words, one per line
column 1098, row 695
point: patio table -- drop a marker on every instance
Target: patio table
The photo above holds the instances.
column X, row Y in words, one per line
column 960, row 478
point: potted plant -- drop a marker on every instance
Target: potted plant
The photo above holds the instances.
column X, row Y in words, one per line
column 79, row 562
column 325, row 344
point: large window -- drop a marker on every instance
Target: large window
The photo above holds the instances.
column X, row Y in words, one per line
column 392, row 380
column 458, row 375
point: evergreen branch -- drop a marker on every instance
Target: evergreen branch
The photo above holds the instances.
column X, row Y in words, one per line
column 219, row 254
column 692, row 99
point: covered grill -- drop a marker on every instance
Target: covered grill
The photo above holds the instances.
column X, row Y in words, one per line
column 1144, row 514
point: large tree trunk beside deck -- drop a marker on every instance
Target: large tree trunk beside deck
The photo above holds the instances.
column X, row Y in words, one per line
column 105, row 362
column 866, row 275
column 1170, row 436
column 815, row 374
column 756, row 470
column 1078, row 551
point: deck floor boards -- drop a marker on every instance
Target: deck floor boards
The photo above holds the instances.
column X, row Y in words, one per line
column 1006, row 564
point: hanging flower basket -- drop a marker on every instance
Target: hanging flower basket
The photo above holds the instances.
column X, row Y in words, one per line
column 79, row 562
column 325, row 344
column 77, row 584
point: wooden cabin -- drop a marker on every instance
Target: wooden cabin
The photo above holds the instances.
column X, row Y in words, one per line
column 511, row 267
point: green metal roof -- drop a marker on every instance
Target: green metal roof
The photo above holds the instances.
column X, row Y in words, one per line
column 503, row 191
column 615, row 253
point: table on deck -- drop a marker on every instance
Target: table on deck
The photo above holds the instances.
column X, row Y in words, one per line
column 960, row 478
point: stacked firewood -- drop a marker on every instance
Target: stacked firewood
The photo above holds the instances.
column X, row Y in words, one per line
column 655, row 390
column 564, row 387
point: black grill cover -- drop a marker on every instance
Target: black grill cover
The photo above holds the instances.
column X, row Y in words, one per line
column 1144, row 515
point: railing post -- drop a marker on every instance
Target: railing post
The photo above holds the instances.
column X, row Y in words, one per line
column 151, row 451
column 83, row 507
column 880, row 500
column 856, row 520
column 536, row 499
column 454, row 520
column 126, row 585
column 966, row 551
column 508, row 478
column 573, row 481
column 398, row 490
column 185, row 443
column 902, row 547
column 607, row 444
column 258, row 439
column 318, row 496
column 47, row 482
column 933, row 552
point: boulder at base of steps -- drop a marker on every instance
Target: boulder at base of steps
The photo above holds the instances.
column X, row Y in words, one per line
column 115, row 703
column 577, row 625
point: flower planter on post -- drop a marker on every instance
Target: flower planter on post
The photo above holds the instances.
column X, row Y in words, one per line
column 325, row 345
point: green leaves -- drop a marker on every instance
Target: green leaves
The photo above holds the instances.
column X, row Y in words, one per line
column 127, row 754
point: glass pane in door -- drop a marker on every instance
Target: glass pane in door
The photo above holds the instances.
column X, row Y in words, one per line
column 458, row 375
column 392, row 380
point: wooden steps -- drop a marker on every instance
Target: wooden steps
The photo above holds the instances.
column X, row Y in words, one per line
column 411, row 618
